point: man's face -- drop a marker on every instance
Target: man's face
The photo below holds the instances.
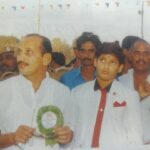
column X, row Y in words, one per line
column 140, row 56
column 107, row 67
column 8, row 62
column 87, row 53
column 29, row 56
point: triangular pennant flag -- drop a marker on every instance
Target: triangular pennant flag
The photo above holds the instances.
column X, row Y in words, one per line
column 68, row 5
column 51, row 6
column 107, row 4
column 22, row 7
column 14, row 7
column 117, row 4
column 140, row 12
column 97, row 4
column 60, row 5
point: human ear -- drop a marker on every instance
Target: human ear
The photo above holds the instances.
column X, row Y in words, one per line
column 95, row 62
column 47, row 57
column 120, row 68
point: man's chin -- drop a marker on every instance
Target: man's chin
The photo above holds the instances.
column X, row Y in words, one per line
column 23, row 72
column 88, row 64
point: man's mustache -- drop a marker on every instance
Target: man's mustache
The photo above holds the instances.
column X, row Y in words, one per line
column 87, row 59
column 21, row 62
column 141, row 61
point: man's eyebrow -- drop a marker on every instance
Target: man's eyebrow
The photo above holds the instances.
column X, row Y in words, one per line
column 87, row 49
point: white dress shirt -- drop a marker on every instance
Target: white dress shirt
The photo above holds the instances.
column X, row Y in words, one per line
column 127, row 79
column 19, row 105
column 120, row 125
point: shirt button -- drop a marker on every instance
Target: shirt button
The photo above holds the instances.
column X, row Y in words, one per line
column 101, row 110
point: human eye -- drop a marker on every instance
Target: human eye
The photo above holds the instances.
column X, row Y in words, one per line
column 29, row 52
column 147, row 53
column 113, row 63
column 91, row 50
column 18, row 52
column 136, row 53
column 102, row 60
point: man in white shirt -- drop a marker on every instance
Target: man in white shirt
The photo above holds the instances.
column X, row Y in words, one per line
column 138, row 79
column 106, row 98
column 22, row 96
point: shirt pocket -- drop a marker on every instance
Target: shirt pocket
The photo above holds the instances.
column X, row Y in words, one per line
column 119, row 113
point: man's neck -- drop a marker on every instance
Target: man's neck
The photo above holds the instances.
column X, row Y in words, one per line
column 36, row 80
column 88, row 72
column 103, row 83
column 139, row 77
column 141, row 74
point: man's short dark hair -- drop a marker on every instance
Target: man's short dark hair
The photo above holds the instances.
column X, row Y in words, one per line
column 111, row 48
column 88, row 36
column 47, row 47
column 58, row 58
column 128, row 41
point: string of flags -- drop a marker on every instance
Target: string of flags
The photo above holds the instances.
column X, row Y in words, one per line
column 68, row 5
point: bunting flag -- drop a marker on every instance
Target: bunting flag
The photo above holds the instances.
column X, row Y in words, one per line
column 60, row 5
column 14, row 7
column 140, row 12
column 117, row 4
column 22, row 7
column 107, row 4
column 51, row 6
column 68, row 5
column 97, row 4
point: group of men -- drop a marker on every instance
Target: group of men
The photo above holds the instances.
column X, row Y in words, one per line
column 100, row 113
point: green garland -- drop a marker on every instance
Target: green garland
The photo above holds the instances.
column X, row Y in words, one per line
column 50, row 138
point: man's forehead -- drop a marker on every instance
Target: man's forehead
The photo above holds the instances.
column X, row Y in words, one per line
column 141, row 46
column 32, row 40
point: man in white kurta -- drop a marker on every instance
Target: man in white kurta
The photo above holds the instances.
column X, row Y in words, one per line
column 121, row 123
column 23, row 95
column 19, row 105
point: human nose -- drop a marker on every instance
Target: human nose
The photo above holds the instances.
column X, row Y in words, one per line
column 21, row 56
column 86, row 54
column 106, row 65
column 141, row 56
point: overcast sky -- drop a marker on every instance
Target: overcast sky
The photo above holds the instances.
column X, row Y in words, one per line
column 110, row 19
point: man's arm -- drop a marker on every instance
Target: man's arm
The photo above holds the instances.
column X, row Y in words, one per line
column 7, row 140
column 22, row 135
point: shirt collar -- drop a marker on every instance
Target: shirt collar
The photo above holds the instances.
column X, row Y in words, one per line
column 97, row 86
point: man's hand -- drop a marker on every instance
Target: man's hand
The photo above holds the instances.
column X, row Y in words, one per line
column 64, row 134
column 144, row 89
column 23, row 134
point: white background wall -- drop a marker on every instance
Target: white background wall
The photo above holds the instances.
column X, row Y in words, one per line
column 67, row 19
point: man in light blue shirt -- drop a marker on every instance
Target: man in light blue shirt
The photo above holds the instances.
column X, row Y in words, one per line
column 87, row 44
